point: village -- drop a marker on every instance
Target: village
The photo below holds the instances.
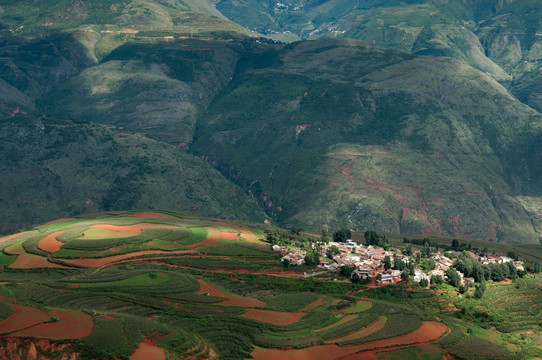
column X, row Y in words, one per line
column 381, row 265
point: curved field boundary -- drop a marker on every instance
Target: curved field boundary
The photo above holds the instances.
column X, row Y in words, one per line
column 153, row 215
column 116, row 231
column 360, row 306
column 147, row 351
column 367, row 330
column 313, row 305
column 15, row 249
column 341, row 321
column 13, row 236
column 22, row 317
column 213, row 235
column 429, row 332
column 71, row 324
column 273, row 317
column 97, row 262
column 31, row 261
column 245, row 233
column 50, row 243
column 233, row 300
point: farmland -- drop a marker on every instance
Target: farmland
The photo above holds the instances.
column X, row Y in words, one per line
column 163, row 285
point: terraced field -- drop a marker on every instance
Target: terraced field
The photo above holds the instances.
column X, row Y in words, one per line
column 161, row 285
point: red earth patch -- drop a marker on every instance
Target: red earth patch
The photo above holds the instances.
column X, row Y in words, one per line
column 50, row 243
column 273, row 317
column 71, row 324
column 233, row 300
column 22, row 317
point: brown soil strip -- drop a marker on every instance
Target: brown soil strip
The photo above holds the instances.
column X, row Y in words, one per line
column 148, row 352
column 50, row 243
column 71, row 324
column 273, row 317
column 233, row 300
column 229, row 235
column 111, row 259
column 313, row 305
column 22, row 317
column 153, row 215
column 213, row 235
column 9, row 237
column 343, row 320
column 31, row 261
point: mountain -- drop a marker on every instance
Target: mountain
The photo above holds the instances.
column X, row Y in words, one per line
column 324, row 133
column 502, row 38
column 337, row 133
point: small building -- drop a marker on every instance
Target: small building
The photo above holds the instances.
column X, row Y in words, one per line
column 385, row 278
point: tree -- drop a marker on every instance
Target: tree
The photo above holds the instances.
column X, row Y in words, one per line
column 405, row 275
column 436, row 280
column 331, row 251
column 342, row 235
column 355, row 278
column 408, row 250
column 398, row 264
column 453, row 277
column 455, row 244
column 480, row 289
column 312, row 258
column 286, row 262
column 387, row 262
column 424, row 282
column 346, row 271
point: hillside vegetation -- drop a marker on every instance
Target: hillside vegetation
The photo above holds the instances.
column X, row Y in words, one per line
column 323, row 133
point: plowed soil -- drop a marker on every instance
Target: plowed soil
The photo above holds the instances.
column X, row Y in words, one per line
column 233, row 300
column 31, row 261
column 153, row 215
column 313, row 305
column 229, row 235
column 22, row 317
column 71, row 324
column 147, row 351
column 428, row 332
column 273, row 317
column 213, row 235
column 50, row 243
column 9, row 237
column 111, row 259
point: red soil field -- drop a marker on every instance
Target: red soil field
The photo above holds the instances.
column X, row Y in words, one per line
column 139, row 227
column 213, row 235
column 229, row 235
column 22, row 317
column 245, row 233
column 233, row 300
column 367, row 330
column 107, row 317
column 50, row 243
column 9, row 237
column 153, row 215
column 148, row 352
column 31, row 261
column 59, row 220
column 428, row 332
column 273, row 317
column 72, row 324
column 313, row 305
column 97, row 262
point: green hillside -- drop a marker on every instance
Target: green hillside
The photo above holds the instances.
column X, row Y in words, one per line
column 337, row 133
column 58, row 168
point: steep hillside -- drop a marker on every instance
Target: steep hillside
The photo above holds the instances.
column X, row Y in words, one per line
column 57, row 168
column 502, row 38
column 337, row 133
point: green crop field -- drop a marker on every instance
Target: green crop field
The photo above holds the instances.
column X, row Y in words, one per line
column 232, row 298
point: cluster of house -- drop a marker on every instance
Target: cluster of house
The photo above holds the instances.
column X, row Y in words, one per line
column 367, row 261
